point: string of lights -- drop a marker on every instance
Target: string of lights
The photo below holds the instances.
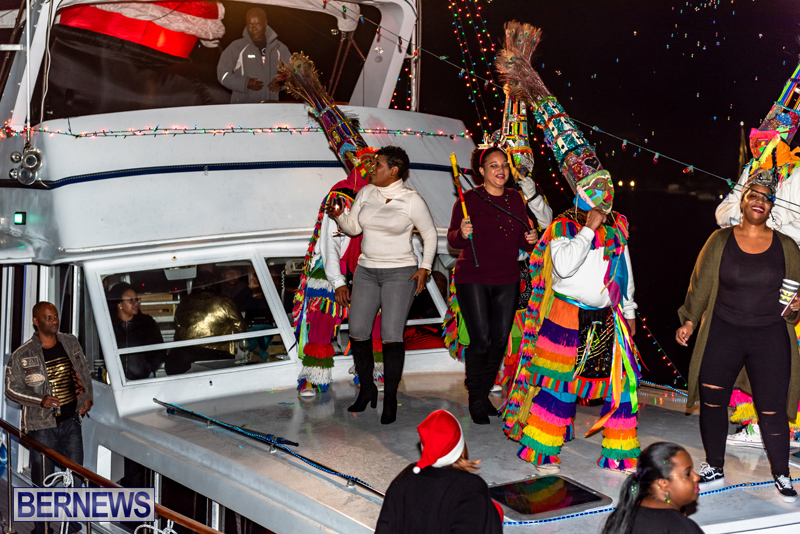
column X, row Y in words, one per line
column 660, row 350
column 392, row 37
column 468, row 69
column 182, row 130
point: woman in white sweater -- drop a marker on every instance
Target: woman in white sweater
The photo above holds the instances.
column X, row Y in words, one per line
column 387, row 277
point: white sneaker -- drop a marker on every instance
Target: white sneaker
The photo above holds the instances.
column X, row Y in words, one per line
column 784, row 486
column 749, row 436
column 308, row 392
column 549, row 469
column 497, row 388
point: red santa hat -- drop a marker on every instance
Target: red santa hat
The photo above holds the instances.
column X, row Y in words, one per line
column 442, row 440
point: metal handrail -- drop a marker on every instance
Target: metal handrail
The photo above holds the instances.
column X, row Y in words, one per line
column 93, row 477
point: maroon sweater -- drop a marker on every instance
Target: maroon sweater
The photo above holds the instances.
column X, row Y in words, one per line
column 497, row 238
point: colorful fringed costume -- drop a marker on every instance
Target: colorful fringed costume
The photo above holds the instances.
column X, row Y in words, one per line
column 331, row 256
column 576, row 342
column 556, row 366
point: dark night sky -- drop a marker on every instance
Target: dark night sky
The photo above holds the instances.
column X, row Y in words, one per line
column 636, row 69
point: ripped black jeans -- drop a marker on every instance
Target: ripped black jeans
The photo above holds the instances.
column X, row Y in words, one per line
column 765, row 352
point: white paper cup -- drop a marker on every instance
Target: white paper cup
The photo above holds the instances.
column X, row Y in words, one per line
column 789, row 289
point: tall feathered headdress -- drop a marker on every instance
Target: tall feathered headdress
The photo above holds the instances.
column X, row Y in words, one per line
column 576, row 158
column 301, row 79
column 769, row 143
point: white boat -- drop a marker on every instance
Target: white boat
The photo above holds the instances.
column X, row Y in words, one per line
column 155, row 197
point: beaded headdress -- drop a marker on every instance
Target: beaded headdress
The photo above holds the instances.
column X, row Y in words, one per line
column 576, row 158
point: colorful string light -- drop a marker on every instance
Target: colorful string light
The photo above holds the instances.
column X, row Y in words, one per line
column 660, row 350
column 182, row 130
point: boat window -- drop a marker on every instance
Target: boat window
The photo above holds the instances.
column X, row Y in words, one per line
column 191, row 319
column 424, row 325
column 127, row 56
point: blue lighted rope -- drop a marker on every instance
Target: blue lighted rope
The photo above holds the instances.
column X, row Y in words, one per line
column 744, row 485
column 274, row 443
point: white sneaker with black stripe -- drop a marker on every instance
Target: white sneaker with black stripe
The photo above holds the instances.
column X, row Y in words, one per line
column 784, row 486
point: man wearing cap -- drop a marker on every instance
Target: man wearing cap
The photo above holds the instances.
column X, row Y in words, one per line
column 439, row 493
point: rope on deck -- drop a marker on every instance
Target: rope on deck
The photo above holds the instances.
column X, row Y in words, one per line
column 744, row 485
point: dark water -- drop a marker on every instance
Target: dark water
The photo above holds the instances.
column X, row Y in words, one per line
column 667, row 233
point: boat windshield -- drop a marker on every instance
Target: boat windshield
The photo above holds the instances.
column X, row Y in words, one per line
column 127, row 56
column 191, row 319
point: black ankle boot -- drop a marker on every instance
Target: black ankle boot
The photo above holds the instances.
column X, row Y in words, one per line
column 477, row 410
column 394, row 356
column 491, row 411
column 368, row 392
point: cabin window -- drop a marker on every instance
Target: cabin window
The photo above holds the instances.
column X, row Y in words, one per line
column 424, row 326
column 191, row 319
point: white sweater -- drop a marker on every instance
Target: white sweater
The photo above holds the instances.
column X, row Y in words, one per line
column 578, row 272
column 387, row 227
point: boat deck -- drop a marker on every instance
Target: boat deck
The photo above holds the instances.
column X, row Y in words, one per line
column 358, row 445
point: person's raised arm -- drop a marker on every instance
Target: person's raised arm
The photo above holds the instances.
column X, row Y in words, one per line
column 569, row 254
column 729, row 211
column 785, row 215
column 348, row 221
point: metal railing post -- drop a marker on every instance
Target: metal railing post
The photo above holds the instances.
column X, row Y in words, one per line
column 10, row 485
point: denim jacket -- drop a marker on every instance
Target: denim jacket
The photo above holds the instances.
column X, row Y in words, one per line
column 27, row 384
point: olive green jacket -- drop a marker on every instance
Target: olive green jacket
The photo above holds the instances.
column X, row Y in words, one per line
column 699, row 308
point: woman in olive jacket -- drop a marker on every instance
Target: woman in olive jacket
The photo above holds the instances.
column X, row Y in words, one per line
column 734, row 298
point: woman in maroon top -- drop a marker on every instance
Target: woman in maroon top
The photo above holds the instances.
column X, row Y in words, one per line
column 488, row 294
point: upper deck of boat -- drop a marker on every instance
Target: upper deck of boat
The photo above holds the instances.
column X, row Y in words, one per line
column 356, row 444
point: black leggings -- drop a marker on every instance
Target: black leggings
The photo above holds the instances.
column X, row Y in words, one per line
column 488, row 312
column 765, row 352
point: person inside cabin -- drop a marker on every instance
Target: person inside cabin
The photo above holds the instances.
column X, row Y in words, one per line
column 132, row 328
column 652, row 498
column 253, row 305
column 49, row 376
column 249, row 63
column 440, row 492
column 200, row 314
column 235, row 281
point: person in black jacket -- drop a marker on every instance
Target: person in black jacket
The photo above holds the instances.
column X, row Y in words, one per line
column 439, row 493
column 134, row 329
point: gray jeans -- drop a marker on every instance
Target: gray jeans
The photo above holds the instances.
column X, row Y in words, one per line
column 388, row 290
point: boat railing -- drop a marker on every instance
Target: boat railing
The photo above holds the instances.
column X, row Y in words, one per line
column 88, row 476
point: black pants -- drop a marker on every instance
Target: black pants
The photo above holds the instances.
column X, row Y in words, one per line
column 488, row 311
column 765, row 352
